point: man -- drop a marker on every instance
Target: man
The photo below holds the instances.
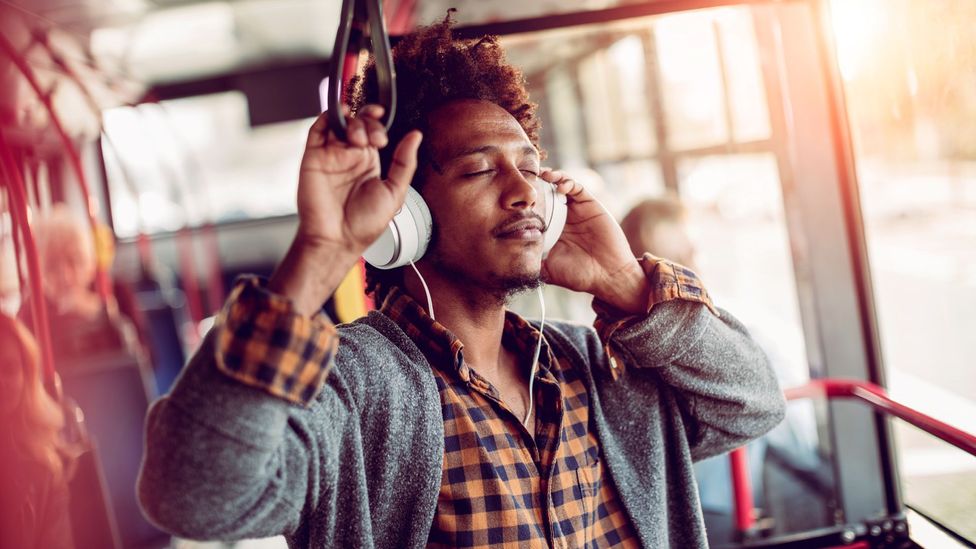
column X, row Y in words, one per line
column 401, row 431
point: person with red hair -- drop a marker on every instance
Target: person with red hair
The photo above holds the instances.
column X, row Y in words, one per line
column 34, row 459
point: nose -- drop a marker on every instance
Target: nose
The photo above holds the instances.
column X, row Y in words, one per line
column 520, row 190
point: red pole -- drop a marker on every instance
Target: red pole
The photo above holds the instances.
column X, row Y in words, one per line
column 144, row 246
column 188, row 272
column 18, row 211
column 401, row 20
column 215, row 284
column 102, row 283
column 745, row 518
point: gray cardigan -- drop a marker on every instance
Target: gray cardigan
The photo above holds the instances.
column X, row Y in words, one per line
column 361, row 466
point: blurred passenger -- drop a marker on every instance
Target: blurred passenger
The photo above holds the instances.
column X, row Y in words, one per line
column 658, row 226
column 82, row 323
column 33, row 458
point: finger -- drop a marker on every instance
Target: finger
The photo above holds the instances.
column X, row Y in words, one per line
column 319, row 133
column 404, row 162
column 376, row 132
column 316, row 134
column 549, row 175
column 573, row 189
column 372, row 111
column 356, row 132
column 554, row 176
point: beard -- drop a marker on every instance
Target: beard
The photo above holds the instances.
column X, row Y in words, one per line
column 493, row 286
column 498, row 288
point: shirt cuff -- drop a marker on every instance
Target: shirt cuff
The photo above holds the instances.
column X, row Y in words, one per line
column 262, row 342
column 668, row 281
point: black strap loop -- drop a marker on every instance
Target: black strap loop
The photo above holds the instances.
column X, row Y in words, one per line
column 358, row 17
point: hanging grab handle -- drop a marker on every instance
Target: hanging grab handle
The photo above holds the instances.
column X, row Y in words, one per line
column 356, row 18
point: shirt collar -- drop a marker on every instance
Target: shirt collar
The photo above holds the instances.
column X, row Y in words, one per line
column 439, row 345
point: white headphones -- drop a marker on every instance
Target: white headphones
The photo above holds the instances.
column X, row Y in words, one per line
column 405, row 239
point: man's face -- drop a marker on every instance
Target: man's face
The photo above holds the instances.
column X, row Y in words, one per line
column 485, row 198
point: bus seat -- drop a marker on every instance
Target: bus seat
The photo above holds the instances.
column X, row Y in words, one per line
column 92, row 521
column 161, row 311
column 112, row 391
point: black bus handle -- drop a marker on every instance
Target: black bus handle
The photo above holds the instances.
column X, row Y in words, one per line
column 356, row 17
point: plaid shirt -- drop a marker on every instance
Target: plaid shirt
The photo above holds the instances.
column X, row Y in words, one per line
column 501, row 484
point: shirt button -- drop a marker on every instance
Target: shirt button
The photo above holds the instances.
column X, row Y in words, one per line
column 613, row 363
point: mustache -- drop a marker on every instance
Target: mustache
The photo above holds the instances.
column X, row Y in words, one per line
column 511, row 222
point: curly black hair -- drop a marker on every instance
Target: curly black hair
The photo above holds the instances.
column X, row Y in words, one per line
column 434, row 68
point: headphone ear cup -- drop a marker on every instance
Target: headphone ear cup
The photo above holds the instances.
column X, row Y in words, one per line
column 405, row 238
column 422, row 224
column 556, row 211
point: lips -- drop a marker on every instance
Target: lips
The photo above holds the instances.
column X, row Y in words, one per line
column 525, row 228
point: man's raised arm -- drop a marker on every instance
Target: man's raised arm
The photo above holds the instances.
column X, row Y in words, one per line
column 230, row 452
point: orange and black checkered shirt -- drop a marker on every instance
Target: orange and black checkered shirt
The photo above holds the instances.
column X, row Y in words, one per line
column 502, row 485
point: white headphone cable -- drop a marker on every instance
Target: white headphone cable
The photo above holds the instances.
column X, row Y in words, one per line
column 538, row 347
column 430, row 303
column 535, row 359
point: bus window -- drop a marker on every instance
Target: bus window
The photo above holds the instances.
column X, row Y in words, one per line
column 673, row 107
column 911, row 101
column 197, row 160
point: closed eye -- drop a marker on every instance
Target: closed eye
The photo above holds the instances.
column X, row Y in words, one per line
column 481, row 173
column 531, row 173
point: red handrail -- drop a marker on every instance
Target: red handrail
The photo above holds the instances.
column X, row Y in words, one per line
column 102, row 283
column 877, row 398
column 18, row 210
column 869, row 393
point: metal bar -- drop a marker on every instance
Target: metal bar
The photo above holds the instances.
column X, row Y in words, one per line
column 402, row 20
column 573, row 19
column 208, row 231
column 876, row 397
column 745, row 519
column 864, row 391
column 850, row 200
column 18, row 211
column 103, row 172
column 723, row 71
column 665, row 156
column 82, row 39
column 102, row 283
column 191, row 286
column 15, row 238
column 215, row 283
column 861, row 485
